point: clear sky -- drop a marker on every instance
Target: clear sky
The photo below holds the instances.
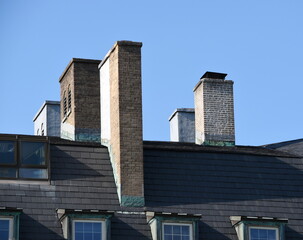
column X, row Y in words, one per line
column 258, row 43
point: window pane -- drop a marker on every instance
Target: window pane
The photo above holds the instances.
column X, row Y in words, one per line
column 271, row 235
column 33, row 153
column 97, row 236
column 168, row 229
column 88, row 227
column 79, row 226
column 185, row 230
column 177, row 229
column 7, row 152
column 97, row 227
column 33, row 173
column 79, row 236
column 168, row 237
column 8, row 172
column 3, row 235
column 88, row 236
column 4, row 229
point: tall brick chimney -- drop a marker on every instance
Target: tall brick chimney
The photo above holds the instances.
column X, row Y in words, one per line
column 214, row 110
column 80, row 100
column 121, row 118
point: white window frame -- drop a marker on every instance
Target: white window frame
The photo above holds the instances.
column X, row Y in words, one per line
column 103, row 226
column 179, row 224
column 11, row 226
column 263, row 227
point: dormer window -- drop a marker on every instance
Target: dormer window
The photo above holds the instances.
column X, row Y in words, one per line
column 9, row 223
column 259, row 228
column 85, row 224
column 173, row 226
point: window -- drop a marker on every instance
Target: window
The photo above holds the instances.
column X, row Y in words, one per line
column 88, row 230
column 23, row 158
column 177, row 231
column 6, row 228
column 170, row 226
column 85, row 224
column 262, row 233
column 259, row 228
column 9, row 223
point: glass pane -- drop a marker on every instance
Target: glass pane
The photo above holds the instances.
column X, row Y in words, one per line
column 4, row 229
column 33, row 173
column 88, row 227
column 4, row 224
column 185, row 230
column 33, row 153
column 168, row 229
column 168, row 237
column 79, row 226
column 79, row 236
column 272, row 235
column 97, row 227
column 177, row 229
column 7, row 152
column 3, row 235
column 88, row 236
column 97, row 236
column 263, row 233
column 254, row 233
column 8, row 173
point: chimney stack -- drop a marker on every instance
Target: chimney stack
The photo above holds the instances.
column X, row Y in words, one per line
column 121, row 118
column 182, row 125
column 80, row 100
column 214, row 110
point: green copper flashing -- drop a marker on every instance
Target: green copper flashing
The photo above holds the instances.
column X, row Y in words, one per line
column 219, row 143
column 132, row 201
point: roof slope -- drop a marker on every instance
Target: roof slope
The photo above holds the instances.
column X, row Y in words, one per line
column 81, row 178
column 220, row 184
column 293, row 147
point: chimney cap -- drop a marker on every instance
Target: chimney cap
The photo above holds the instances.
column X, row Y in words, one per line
column 214, row 75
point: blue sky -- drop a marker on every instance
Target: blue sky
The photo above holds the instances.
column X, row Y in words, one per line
column 257, row 43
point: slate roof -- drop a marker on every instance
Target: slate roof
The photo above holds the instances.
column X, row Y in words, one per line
column 216, row 182
column 219, row 184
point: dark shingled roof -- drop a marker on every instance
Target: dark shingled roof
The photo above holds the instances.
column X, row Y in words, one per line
column 214, row 182
column 219, row 182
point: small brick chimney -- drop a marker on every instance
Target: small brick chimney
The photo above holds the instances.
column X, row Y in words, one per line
column 121, row 118
column 214, row 110
column 80, row 100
